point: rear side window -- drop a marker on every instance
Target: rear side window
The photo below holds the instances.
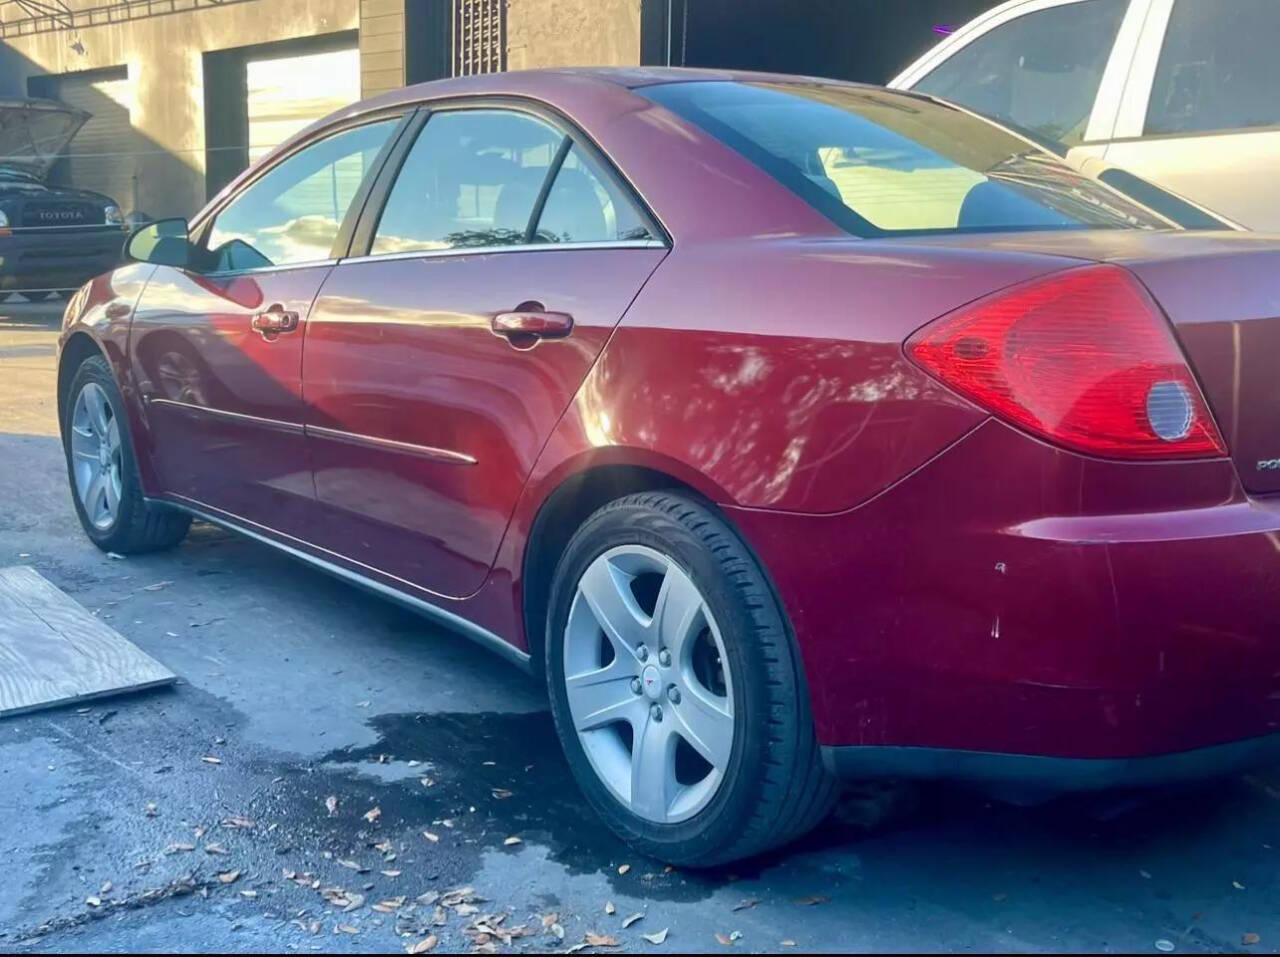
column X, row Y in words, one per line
column 1040, row 71
column 877, row 162
column 1219, row 69
column 472, row 178
column 583, row 206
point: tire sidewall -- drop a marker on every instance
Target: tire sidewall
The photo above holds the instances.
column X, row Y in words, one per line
column 717, row 824
column 95, row 370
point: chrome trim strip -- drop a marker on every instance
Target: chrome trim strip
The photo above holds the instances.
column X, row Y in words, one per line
column 276, row 425
column 241, row 527
column 372, row 441
column 513, row 248
column 283, row 267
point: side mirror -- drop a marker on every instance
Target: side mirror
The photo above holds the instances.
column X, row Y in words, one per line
column 164, row 243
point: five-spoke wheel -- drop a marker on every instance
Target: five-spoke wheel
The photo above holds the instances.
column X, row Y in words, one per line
column 96, row 461
column 647, row 683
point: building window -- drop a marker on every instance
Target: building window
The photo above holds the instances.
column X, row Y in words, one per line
column 479, row 36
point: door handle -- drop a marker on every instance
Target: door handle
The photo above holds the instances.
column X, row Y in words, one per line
column 524, row 327
column 274, row 321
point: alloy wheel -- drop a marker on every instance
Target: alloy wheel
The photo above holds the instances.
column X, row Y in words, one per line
column 648, row 684
column 96, row 456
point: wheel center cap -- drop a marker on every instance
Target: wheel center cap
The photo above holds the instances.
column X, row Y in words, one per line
column 651, row 681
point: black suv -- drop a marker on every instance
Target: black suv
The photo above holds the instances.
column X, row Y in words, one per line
column 52, row 238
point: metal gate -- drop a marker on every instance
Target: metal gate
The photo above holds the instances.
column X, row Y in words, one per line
column 479, row 36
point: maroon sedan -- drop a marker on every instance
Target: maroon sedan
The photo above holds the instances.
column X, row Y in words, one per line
column 793, row 430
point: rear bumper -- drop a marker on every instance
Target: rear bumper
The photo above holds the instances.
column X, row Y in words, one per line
column 58, row 259
column 1038, row 774
column 1009, row 598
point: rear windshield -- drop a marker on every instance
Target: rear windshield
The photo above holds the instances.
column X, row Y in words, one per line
column 881, row 163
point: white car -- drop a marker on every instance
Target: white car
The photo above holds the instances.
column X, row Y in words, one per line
column 1183, row 93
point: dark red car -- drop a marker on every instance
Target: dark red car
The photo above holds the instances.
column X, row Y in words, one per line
column 793, row 430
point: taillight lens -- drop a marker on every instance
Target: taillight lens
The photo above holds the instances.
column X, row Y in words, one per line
column 1083, row 358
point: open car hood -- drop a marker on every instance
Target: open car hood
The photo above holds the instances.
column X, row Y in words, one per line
column 34, row 132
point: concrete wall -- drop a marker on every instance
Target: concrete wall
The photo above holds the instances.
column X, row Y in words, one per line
column 572, row 33
column 164, row 54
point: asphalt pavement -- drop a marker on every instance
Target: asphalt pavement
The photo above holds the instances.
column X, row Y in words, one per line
column 332, row 773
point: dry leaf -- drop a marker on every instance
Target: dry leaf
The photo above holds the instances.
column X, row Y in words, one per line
column 210, row 759
column 624, row 868
column 811, row 901
column 105, row 888
column 427, row 782
column 242, row 823
column 746, row 903
column 1237, row 885
column 372, row 814
column 1250, row 939
column 345, row 929
column 227, row 877
column 249, row 894
column 592, row 939
column 179, row 848
column 391, row 873
column 214, row 849
column 421, row 947
column 631, row 920
column 787, row 943
column 331, row 803
column 549, row 919
column 512, row 841
column 353, row 866
column 502, row 793
column 609, row 908
column 658, row 938
column 156, row 586
column 93, row 901
column 433, row 838
column 723, row 939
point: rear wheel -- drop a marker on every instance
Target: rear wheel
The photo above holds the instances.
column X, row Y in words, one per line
column 675, row 687
column 103, row 472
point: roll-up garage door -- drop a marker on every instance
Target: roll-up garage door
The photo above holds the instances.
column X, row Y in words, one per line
column 288, row 93
column 104, row 156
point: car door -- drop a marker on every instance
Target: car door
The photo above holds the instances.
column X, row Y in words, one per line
column 217, row 346
column 438, row 363
column 1201, row 110
column 1054, row 68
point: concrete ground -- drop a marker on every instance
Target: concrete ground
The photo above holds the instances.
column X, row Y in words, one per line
column 330, row 768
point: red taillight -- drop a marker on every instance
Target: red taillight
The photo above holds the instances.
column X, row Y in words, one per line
column 1083, row 358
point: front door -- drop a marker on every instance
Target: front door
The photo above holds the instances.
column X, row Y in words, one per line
column 437, row 366
column 217, row 347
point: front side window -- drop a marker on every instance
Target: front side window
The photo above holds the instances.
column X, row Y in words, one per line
column 1218, row 69
column 293, row 213
column 877, row 162
column 472, row 178
column 1040, row 71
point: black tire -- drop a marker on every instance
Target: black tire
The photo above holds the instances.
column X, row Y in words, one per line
column 776, row 787
column 139, row 526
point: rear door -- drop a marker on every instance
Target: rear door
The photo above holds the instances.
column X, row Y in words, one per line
column 1201, row 110
column 217, row 348
column 437, row 364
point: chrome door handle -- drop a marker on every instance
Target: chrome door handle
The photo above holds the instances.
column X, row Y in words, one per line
column 524, row 327
column 274, row 321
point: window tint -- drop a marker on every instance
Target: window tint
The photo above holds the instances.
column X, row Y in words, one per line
column 1218, row 69
column 1040, row 72
column 293, row 213
column 583, row 206
column 876, row 162
column 471, row 179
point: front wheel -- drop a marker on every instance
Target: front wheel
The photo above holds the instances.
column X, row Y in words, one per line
column 103, row 472
column 675, row 686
